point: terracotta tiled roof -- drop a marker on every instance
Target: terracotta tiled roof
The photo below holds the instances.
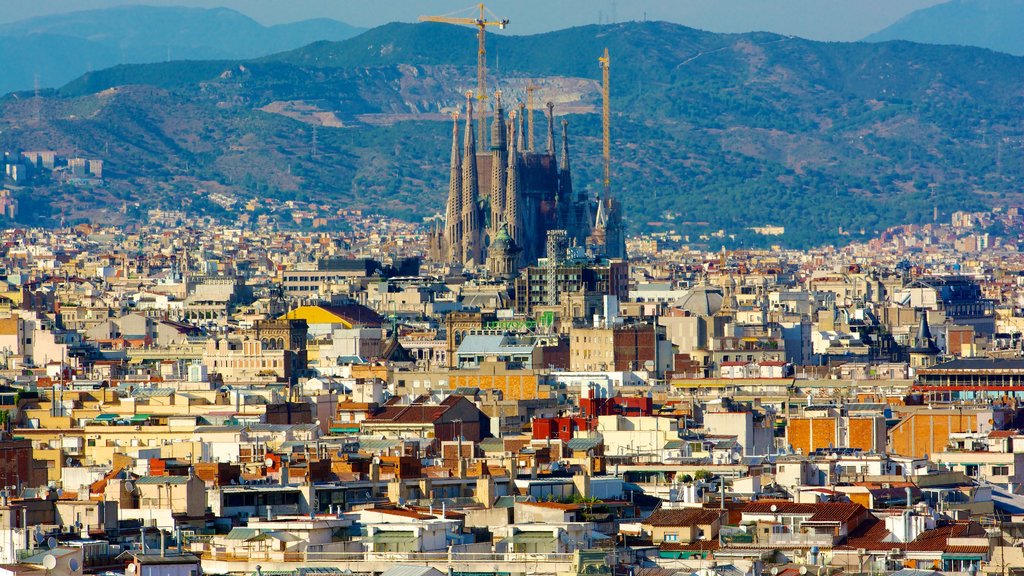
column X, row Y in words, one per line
column 836, row 512
column 781, row 507
column 872, row 535
column 682, row 517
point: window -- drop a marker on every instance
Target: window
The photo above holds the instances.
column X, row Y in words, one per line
column 1000, row 470
column 671, row 537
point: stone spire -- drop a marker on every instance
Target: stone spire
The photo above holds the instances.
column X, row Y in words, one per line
column 522, row 115
column 453, row 212
column 470, row 193
column 601, row 220
column 499, row 145
column 564, row 164
column 566, row 202
column 551, row 128
column 498, row 124
column 513, row 219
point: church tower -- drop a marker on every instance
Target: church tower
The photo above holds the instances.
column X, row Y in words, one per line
column 453, row 208
column 924, row 353
column 551, row 129
column 512, row 217
column 471, row 233
column 566, row 204
column 499, row 149
column 503, row 256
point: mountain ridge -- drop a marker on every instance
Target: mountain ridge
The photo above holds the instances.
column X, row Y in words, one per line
column 76, row 42
column 991, row 24
column 835, row 141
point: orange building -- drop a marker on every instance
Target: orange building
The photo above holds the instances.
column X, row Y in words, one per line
column 807, row 434
column 927, row 431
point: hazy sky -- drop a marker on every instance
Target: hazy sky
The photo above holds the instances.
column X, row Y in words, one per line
column 816, row 19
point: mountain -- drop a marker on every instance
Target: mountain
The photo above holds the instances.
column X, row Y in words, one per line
column 712, row 134
column 992, row 24
column 61, row 47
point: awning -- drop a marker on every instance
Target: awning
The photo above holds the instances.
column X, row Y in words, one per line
column 140, row 417
column 392, row 538
column 243, row 534
column 531, row 538
column 277, row 535
column 106, row 417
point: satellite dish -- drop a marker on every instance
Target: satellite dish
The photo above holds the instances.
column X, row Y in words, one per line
column 68, row 461
column 40, row 537
column 73, row 564
column 775, row 508
column 803, row 569
column 49, row 562
column 60, row 491
column 130, row 569
column 775, row 570
column 269, row 462
column 51, row 542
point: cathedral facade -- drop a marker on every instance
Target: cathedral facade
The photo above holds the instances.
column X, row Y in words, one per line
column 503, row 199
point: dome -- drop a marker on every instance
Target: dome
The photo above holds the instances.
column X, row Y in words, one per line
column 502, row 241
column 700, row 301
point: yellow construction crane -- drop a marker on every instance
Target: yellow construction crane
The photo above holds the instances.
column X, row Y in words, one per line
column 606, row 123
column 529, row 118
column 481, row 24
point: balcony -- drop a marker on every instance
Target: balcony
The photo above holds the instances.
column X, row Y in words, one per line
column 798, row 539
column 220, row 561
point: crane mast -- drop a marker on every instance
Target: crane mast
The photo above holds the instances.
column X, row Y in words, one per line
column 606, row 124
column 481, row 22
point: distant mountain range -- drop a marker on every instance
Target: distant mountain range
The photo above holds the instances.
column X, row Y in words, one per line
column 834, row 141
column 58, row 48
column 992, row 24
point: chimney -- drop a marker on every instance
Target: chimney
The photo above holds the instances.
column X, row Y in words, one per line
column 163, row 544
column 485, row 490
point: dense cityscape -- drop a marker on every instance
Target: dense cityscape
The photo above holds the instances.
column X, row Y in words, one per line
column 530, row 381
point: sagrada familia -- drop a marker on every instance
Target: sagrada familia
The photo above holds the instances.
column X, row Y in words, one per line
column 504, row 199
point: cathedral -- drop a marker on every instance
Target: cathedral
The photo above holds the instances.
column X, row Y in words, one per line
column 504, row 198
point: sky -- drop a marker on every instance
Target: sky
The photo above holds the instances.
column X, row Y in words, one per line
column 842, row 20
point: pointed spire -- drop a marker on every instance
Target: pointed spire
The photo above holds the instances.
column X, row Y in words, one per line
column 601, row 220
column 499, row 145
column 470, row 192
column 512, row 217
column 566, row 202
column 453, row 213
column 551, row 128
column 498, row 124
column 564, row 165
column 522, row 115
